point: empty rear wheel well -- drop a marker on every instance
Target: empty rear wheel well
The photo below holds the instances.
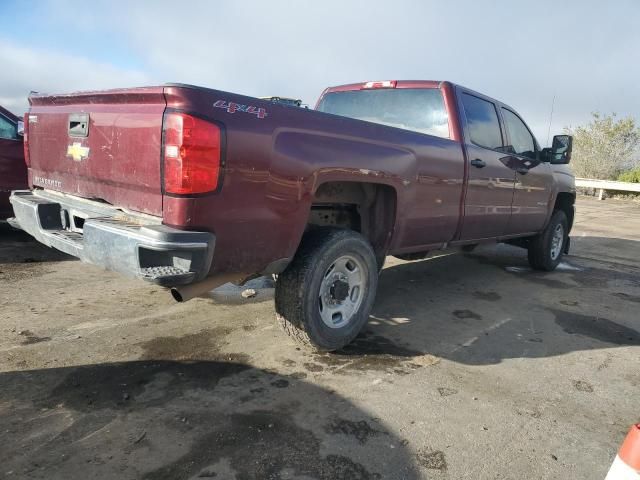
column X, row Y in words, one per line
column 367, row 208
column 565, row 201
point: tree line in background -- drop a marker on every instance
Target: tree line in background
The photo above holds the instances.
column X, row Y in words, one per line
column 607, row 148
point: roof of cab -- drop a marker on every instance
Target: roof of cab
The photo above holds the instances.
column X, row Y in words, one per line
column 408, row 84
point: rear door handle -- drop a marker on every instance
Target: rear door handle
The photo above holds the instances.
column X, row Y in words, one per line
column 478, row 163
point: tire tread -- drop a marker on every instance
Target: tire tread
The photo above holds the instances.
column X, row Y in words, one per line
column 291, row 284
column 538, row 251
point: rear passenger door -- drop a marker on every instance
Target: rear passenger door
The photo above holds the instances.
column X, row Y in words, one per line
column 489, row 193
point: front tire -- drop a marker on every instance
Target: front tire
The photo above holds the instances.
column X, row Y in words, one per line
column 325, row 295
column 546, row 248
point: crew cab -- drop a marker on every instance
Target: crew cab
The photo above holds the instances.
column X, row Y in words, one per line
column 13, row 171
column 190, row 187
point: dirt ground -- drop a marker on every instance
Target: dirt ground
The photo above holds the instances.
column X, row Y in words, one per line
column 472, row 367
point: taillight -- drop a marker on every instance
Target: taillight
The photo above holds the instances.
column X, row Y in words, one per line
column 381, row 84
column 192, row 154
column 25, row 140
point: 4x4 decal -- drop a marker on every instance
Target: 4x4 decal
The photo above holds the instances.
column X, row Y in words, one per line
column 232, row 107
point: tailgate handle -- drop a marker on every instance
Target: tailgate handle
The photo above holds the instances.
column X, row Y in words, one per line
column 79, row 125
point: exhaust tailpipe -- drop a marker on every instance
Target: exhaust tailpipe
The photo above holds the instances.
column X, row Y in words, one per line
column 185, row 293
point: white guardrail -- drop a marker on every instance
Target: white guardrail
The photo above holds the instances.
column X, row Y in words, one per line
column 603, row 185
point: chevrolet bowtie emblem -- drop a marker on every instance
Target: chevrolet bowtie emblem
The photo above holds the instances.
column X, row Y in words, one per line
column 77, row 151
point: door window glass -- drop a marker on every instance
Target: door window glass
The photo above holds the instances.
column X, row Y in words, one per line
column 8, row 129
column 522, row 142
column 482, row 122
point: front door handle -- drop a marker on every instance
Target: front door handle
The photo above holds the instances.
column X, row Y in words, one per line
column 478, row 163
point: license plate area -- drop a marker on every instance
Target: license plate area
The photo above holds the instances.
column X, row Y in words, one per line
column 72, row 220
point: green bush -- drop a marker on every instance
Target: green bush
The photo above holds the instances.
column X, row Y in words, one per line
column 605, row 146
column 632, row 176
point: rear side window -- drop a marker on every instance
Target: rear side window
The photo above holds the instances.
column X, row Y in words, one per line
column 522, row 142
column 8, row 129
column 482, row 122
column 417, row 109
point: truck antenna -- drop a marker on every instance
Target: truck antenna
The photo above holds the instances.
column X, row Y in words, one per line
column 551, row 117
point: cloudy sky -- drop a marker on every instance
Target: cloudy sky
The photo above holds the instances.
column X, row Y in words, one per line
column 584, row 52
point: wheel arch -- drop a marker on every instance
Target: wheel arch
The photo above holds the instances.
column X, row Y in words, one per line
column 369, row 208
column 565, row 201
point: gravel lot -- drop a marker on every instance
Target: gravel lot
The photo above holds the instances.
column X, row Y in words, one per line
column 472, row 367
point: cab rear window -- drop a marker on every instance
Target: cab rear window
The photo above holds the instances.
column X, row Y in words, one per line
column 419, row 110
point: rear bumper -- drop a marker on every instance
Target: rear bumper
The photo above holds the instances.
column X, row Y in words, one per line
column 102, row 235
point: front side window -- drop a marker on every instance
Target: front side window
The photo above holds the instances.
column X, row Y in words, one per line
column 416, row 109
column 8, row 129
column 482, row 122
column 522, row 142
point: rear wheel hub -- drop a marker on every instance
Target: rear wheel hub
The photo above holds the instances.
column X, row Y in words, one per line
column 342, row 291
column 339, row 290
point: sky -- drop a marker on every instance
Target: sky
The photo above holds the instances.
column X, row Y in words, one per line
column 585, row 53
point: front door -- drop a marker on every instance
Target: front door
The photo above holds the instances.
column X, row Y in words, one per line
column 534, row 179
column 490, row 184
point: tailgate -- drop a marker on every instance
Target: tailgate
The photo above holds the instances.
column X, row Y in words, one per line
column 99, row 145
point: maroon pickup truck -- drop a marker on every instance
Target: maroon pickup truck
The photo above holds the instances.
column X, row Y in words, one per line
column 190, row 188
column 13, row 171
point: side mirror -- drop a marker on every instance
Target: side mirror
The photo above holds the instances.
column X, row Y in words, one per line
column 21, row 128
column 561, row 149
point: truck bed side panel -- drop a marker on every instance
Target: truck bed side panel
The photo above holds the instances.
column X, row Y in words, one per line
column 274, row 165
